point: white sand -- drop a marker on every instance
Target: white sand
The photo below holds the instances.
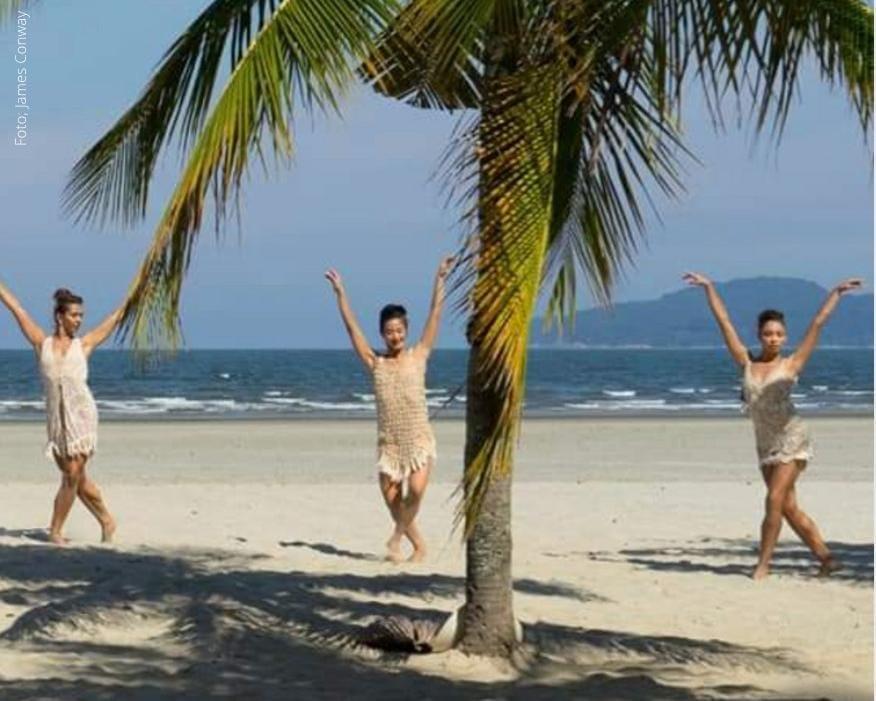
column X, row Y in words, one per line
column 249, row 554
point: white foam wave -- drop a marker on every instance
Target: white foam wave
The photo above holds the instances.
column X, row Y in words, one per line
column 326, row 406
column 337, row 406
column 619, row 405
column 21, row 404
column 710, row 404
column 619, row 393
column 167, row 405
column 438, row 402
column 658, row 405
column 128, row 407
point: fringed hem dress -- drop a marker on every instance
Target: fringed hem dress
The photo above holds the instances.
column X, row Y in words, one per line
column 780, row 434
column 71, row 412
column 405, row 442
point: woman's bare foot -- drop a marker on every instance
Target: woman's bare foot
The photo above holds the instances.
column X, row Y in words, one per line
column 416, row 539
column 108, row 530
column 828, row 566
column 57, row 538
column 760, row 572
column 419, row 554
column 393, row 548
column 417, row 542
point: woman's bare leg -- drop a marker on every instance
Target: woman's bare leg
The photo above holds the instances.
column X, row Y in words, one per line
column 91, row 496
column 391, row 492
column 71, row 475
column 808, row 532
column 780, row 480
column 418, row 482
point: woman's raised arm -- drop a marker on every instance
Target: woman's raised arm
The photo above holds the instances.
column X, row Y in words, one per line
column 32, row 332
column 719, row 311
column 357, row 338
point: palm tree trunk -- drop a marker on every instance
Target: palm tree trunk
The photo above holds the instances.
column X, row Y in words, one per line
column 488, row 616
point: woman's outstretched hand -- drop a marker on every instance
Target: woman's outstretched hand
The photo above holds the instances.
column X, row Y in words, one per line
column 853, row 283
column 334, row 278
column 696, row 279
column 446, row 266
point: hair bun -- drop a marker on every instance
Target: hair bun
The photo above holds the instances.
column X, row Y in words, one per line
column 63, row 298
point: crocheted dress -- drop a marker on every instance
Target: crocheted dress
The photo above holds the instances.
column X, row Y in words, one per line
column 71, row 413
column 405, row 442
column 780, row 434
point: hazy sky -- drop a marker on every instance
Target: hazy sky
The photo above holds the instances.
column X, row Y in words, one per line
column 361, row 197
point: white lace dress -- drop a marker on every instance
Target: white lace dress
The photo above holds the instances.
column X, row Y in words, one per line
column 71, row 413
column 780, row 433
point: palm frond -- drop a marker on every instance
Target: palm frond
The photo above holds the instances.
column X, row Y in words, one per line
column 111, row 181
column 752, row 50
column 513, row 151
column 623, row 149
column 633, row 57
column 9, row 9
column 430, row 55
column 294, row 56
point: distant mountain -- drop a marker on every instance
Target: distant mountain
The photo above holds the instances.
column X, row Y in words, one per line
column 683, row 318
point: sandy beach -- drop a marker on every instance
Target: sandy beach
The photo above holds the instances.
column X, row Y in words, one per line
column 249, row 558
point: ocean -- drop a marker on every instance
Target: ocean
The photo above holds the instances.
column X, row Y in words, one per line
column 245, row 384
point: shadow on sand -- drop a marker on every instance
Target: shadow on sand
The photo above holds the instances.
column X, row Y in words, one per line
column 726, row 556
column 209, row 624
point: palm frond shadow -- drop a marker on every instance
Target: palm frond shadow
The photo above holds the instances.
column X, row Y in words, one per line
column 328, row 549
column 442, row 585
column 216, row 628
column 40, row 535
column 729, row 556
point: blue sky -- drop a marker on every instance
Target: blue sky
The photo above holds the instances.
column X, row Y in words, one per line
column 361, row 197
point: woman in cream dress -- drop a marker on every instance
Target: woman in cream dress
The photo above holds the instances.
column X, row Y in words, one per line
column 784, row 446
column 71, row 413
column 406, row 450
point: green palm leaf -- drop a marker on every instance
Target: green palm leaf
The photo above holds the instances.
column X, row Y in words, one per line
column 9, row 9
column 752, row 50
column 112, row 180
column 431, row 55
column 513, row 151
column 616, row 139
column 293, row 59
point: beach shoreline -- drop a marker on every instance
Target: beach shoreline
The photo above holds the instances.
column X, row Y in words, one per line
column 319, row 450
column 459, row 415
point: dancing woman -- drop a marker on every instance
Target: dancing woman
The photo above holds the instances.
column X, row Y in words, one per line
column 71, row 413
column 783, row 441
column 406, row 450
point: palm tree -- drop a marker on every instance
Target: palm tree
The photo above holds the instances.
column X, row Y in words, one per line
column 578, row 116
column 573, row 120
